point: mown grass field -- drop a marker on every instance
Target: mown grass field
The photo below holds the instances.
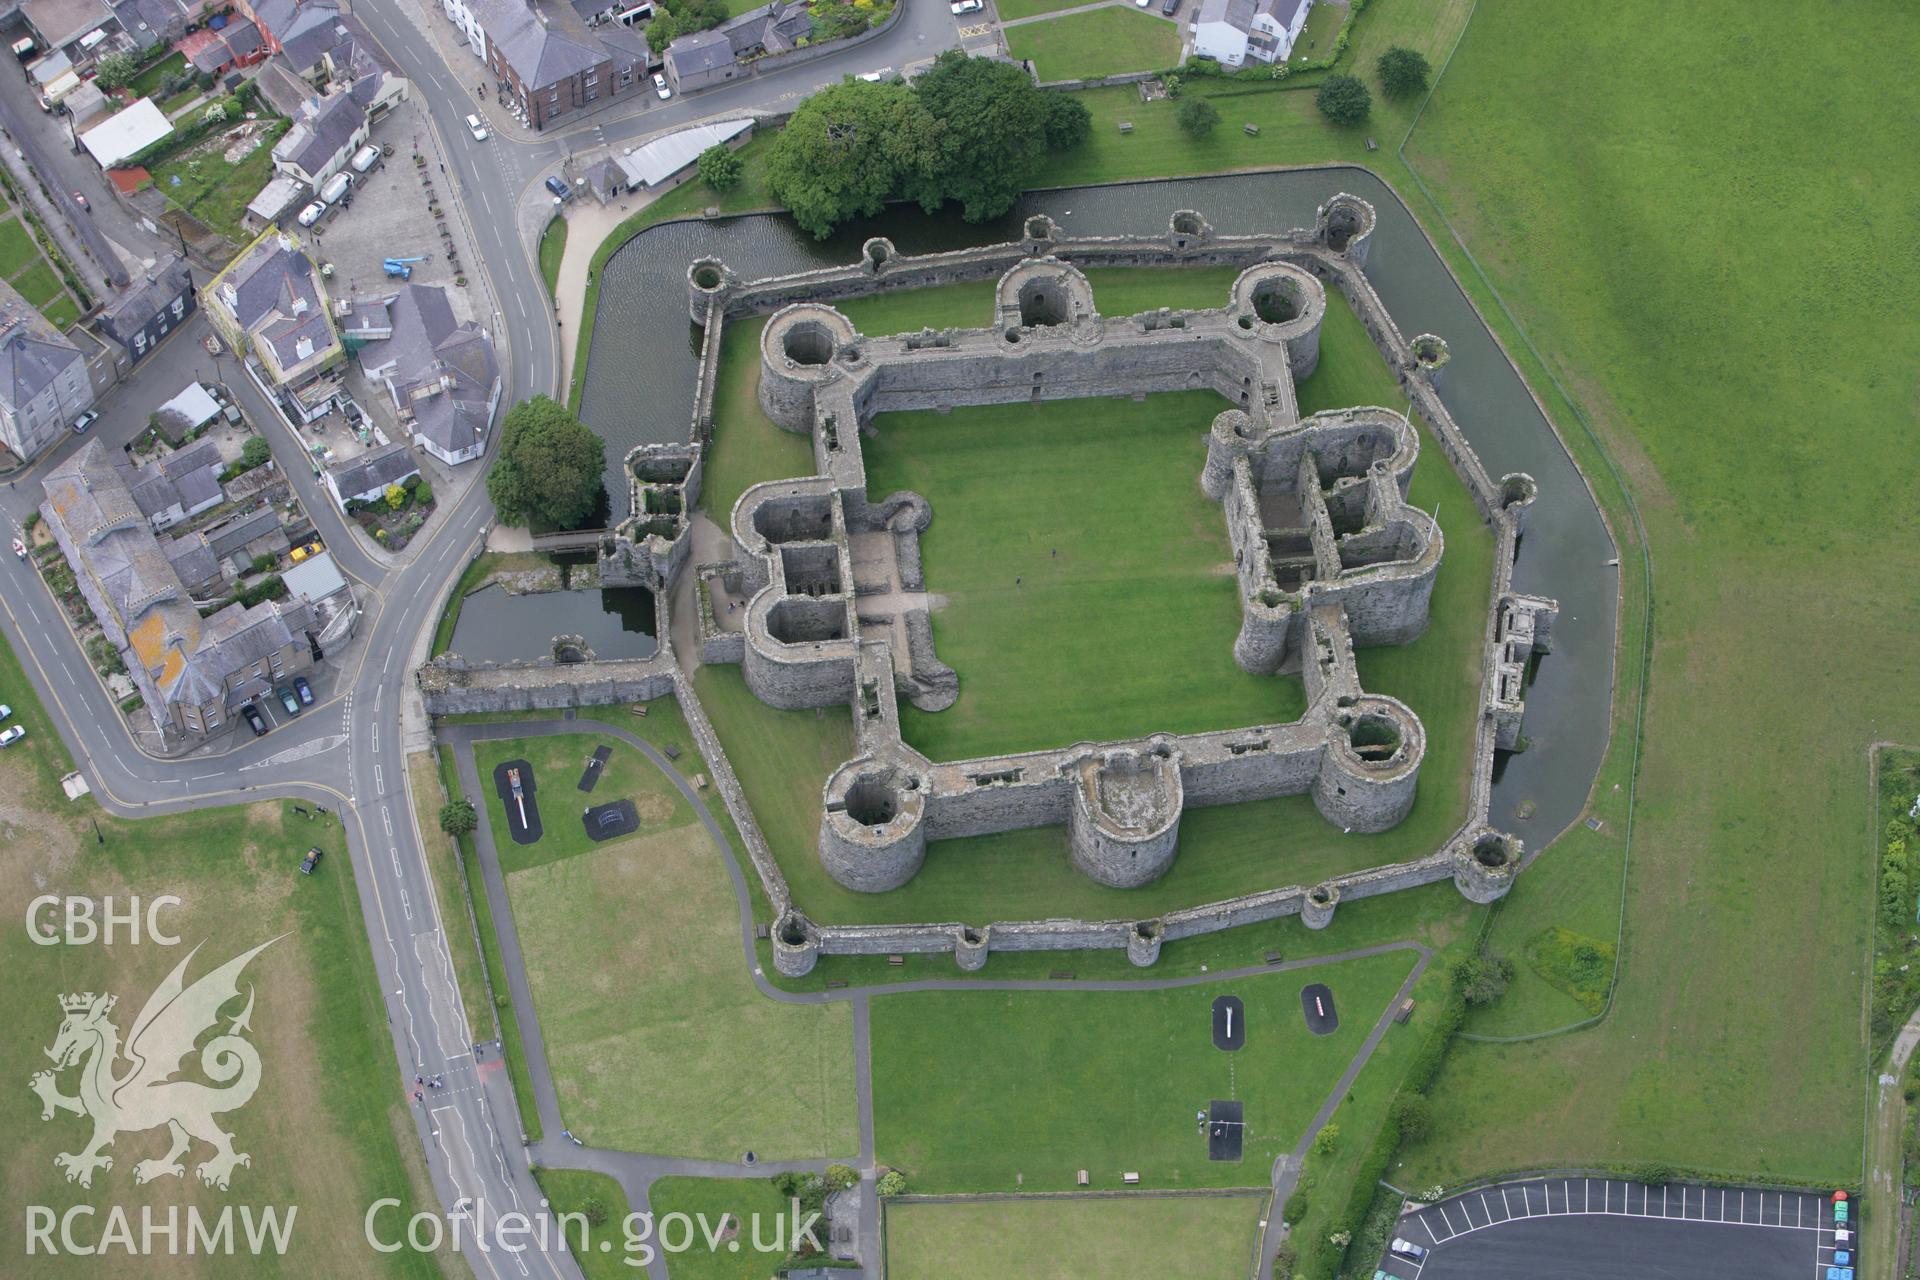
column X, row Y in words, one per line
column 782, row 756
column 557, row 763
column 1210, row 1239
column 328, row 1130
column 1102, row 42
column 972, row 1088
column 745, row 1200
column 1589, row 165
column 657, row 1039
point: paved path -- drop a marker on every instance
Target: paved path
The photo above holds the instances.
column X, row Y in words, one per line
column 637, row 1172
column 1886, row 1145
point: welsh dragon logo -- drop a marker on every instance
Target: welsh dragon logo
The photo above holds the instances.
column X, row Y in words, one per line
column 146, row 1095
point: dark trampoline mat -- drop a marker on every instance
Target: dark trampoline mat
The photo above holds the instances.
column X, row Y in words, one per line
column 591, row 774
column 529, row 831
column 1316, row 1001
column 1229, row 1023
column 615, row 818
column 1226, row 1130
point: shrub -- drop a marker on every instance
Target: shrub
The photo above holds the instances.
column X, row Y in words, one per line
column 396, row 497
column 255, row 453
column 721, row 167
column 1198, row 117
column 115, row 70
column 893, row 1184
column 458, row 819
column 264, row 561
column 215, row 114
column 1294, row 1209
column 1411, row 1115
column 1327, row 1141
column 1343, row 100
column 1653, row 1174
column 1482, row 977
column 1403, row 72
column 423, row 494
column 840, row 1176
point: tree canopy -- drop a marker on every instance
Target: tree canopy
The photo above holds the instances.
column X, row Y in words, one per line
column 115, row 71
column 549, row 467
column 721, row 167
column 1343, row 100
column 972, row 131
column 1403, row 71
column 1198, row 116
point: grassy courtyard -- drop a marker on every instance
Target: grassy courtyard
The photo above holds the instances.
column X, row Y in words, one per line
column 1198, row 1239
column 657, row 1039
column 1041, row 1084
column 328, row 1130
column 1101, row 42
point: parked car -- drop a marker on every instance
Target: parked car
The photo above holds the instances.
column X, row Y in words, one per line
column 1169, row 7
column 313, row 213
column 20, row 548
column 287, row 700
column 5, row 711
column 312, row 860
column 477, row 128
column 365, row 158
column 305, row 552
column 559, row 187
column 12, row 736
column 1407, row 1249
column 255, row 721
column 85, row 420
column 967, row 6
column 305, row 690
column 660, row 86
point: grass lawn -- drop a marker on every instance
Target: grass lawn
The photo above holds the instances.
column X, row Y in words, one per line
column 148, row 82
column 1324, row 21
column 17, row 248
column 1044, row 1083
column 782, row 757
column 1748, row 910
column 1089, row 509
column 593, row 1197
column 745, row 1199
column 1200, row 1239
column 37, row 284
column 62, row 313
column 1103, row 42
column 553, row 247
column 213, row 190
column 328, row 1130
column 657, row 1038
column 557, row 763
column 1012, row 9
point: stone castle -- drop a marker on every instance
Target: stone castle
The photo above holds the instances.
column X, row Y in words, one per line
column 1328, row 556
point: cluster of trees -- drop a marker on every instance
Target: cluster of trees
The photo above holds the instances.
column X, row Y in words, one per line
column 1344, row 100
column 548, row 470
column 721, row 167
column 683, row 18
column 969, row 131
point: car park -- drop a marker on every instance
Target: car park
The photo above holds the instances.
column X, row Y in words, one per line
column 961, row 7
column 313, row 213
column 660, row 86
column 477, row 129
column 305, row 690
column 559, row 187
column 12, row 736
column 287, row 700
column 85, row 420
column 255, row 721
column 1408, row 1249
column 312, row 860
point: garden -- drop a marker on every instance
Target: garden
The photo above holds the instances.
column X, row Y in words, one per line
column 394, row 518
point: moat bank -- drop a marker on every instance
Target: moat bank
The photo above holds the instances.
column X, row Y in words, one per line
column 640, row 387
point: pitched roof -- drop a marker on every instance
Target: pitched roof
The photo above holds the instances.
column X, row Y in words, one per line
column 326, row 128
column 32, row 354
column 271, row 293
column 145, row 298
column 235, row 532
column 540, row 53
column 375, row 469
column 701, row 51
column 440, row 370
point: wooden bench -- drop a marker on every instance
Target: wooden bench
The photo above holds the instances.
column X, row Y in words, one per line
column 1126, row 126
column 1253, row 130
column 1274, row 957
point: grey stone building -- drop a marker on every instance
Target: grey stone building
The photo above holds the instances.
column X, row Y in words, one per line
column 44, row 380
column 441, row 374
column 365, row 477
column 149, row 308
column 707, row 58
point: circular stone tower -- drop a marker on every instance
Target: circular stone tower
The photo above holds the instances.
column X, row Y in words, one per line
column 796, row 944
column 1231, row 437
column 1316, row 909
column 1124, row 822
column 1187, row 230
column 801, row 349
column 1485, row 863
column 1371, row 764
column 970, row 947
column 871, row 835
column 1345, row 224
column 1517, row 492
column 1143, row 942
column 708, row 281
column 1280, row 303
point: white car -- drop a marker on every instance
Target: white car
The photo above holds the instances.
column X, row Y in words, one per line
column 5, row 711
column 477, row 128
column 660, row 86
column 967, row 6
column 12, row 736
column 313, row 213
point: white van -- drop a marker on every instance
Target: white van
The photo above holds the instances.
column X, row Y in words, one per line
column 335, row 187
column 313, row 213
column 365, row 158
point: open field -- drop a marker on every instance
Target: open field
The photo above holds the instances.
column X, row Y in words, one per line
column 328, row 1130
column 1748, row 906
column 592, row 1196
column 657, row 1038
column 557, row 763
column 972, row 1088
column 743, row 1198
column 1103, row 42
column 1197, row 1239
column 1088, row 581
column 783, row 756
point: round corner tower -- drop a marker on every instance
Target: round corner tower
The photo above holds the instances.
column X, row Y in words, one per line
column 1371, row 765
column 872, row 838
column 1485, row 863
column 796, row 944
column 1281, row 303
column 801, row 350
column 709, row 281
column 1123, row 825
column 1345, row 225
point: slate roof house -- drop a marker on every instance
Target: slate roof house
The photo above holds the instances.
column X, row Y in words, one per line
column 270, row 303
column 323, row 138
column 182, row 484
column 149, row 308
column 714, row 57
column 44, row 384
column 366, row 476
column 1232, row 31
column 192, row 672
column 553, row 62
column 442, row 374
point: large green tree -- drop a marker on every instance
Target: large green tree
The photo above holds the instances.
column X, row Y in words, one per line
column 1403, row 71
column 1198, row 117
column 549, row 466
column 1343, row 100
column 995, row 127
column 847, row 148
